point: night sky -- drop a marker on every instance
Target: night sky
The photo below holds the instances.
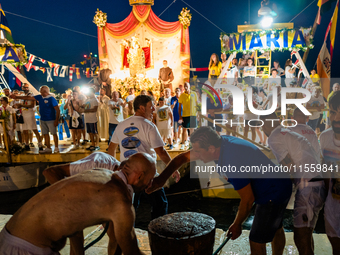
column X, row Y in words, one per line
column 66, row 48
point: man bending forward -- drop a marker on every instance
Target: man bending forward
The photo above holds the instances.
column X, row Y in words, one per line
column 93, row 197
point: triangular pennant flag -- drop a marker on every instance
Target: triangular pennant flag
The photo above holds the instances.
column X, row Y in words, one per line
column 50, row 64
column 49, row 74
column 43, row 61
column 71, row 74
column 77, row 73
column 63, row 71
column 43, row 69
column 30, row 62
column 56, row 69
column 88, row 72
column 36, row 68
column 27, row 65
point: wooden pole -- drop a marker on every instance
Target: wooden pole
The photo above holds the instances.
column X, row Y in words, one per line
column 305, row 55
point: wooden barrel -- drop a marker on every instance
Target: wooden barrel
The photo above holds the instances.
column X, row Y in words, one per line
column 182, row 233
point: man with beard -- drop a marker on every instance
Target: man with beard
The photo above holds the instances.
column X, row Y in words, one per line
column 330, row 148
column 42, row 225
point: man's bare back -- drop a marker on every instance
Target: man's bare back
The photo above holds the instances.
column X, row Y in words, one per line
column 69, row 206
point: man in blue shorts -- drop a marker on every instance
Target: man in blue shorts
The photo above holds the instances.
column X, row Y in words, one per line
column 271, row 195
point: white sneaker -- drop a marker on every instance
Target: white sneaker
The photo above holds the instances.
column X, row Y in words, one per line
column 47, row 150
column 56, row 150
column 186, row 143
column 175, row 145
column 182, row 147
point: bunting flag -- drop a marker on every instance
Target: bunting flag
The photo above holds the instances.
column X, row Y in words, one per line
column 4, row 27
column 50, row 64
column 63, row 71
column 78, row 73
column 87, row 72
column 333, row 24
column 324, row 6
column 56, row 69
column 49, row 74
column 30, row 62
column 36, row 68
column 43, row 69
column 83, row 62
column 71, row 73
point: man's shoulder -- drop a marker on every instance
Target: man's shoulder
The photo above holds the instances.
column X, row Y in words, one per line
column 325, row 135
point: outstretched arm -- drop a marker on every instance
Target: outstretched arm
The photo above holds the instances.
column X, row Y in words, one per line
column 175, row 164
column 124, row 232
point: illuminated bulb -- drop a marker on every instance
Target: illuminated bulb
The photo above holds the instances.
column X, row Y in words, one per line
column 266, row 22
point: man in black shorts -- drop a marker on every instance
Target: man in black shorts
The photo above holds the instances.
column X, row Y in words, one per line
column 187, row 100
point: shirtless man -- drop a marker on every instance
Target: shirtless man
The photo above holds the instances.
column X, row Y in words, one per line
column 42, row 225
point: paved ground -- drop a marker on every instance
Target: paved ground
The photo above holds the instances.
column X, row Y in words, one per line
column 237, row 247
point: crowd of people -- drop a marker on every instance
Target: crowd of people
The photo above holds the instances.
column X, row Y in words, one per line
column 139, row 126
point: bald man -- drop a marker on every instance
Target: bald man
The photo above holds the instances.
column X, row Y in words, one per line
column 62, row 210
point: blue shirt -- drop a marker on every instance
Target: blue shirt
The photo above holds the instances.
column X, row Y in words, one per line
column 240, row 153
column 46, row 107
column 175, row 110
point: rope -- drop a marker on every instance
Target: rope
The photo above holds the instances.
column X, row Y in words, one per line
column 195, row 190
column 166, row 8
column 43, row 22
column 98, row 238
column 202, row 15
column 302, row 11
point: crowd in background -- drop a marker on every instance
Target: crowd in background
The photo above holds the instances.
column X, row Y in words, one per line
column 94, row 114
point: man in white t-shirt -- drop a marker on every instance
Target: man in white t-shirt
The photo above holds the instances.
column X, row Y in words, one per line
column 315, row 103
column 330, row 148
column 115, row 113
column 305, row 130
column 167, row 96
column 295, row 152
column 269, row 102
column 81, row 99
column 164, row 121
column 128, row 108
column 139, row 134
column 91, row 107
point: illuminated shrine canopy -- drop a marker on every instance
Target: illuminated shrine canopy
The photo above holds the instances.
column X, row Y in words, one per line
column 264, row 40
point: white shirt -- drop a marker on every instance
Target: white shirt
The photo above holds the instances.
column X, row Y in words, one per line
column 94, row 160
column 163, row 119
column 130, row 98
column 310, row 135
column 249, row 71
column 116, row 115
column 91, row 117
column 231, row 74
column 167, row 101
column 288, row 74
column 284, row 141
column 274, row 81
column 270, row 101
column 315, row 102
column 137, row 134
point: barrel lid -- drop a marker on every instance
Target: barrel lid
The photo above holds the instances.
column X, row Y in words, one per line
column 182, row 225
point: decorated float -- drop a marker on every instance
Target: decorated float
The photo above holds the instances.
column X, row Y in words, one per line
column 136, row 47
column 18, row 176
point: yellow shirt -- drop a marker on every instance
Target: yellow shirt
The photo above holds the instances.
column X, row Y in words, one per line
column 315, row 78
column 189, row 103
column 215, row 70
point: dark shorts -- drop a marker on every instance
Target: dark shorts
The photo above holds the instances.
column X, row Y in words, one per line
column 92, row 128
column 189, row 122
column 253, row 123
column 267, row 220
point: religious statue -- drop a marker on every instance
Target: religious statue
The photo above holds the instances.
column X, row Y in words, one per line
column 104, row 78
column 166, row 76
column 136, row 58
